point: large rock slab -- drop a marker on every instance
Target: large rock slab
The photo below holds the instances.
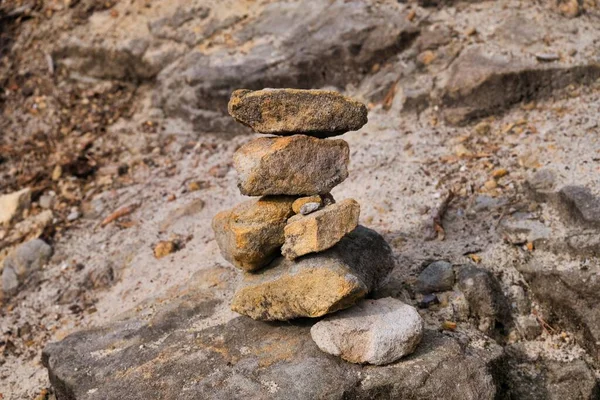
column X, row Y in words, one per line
column 373, row 331
column 175, row 348
column 319, row 283
column 319, row 230
column 294, row 165
column 319, row 113
column 250, row 235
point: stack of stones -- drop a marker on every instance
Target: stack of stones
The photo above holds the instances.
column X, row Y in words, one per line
column 303, row 254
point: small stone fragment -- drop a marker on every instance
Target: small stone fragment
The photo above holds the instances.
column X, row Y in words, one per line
column 319, row 283
column 25, row 259
column 295, row 165
column 373, row 331
column 309, row 208
column 164, row 248
column 499, row 173
column 437, row 277
column 14, row 203
column 428, row 300
column 319, row 230
column 250, row 235
column 547, row 57
column 318, row 113
column 303, row 200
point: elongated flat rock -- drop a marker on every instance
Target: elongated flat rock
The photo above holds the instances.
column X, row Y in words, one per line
column 320, row 230
column 319, row 113
column 250, row 235
column 319, row 283
column 296, row 165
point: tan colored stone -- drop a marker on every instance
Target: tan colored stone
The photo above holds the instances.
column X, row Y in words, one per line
column 320, row 230
column 250, row 235
column 304, row 200
column 317, row 284
column 319, row 113
column 13, row 203
column 295, row 165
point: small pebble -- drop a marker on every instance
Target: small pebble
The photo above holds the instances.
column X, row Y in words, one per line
column 309, row 208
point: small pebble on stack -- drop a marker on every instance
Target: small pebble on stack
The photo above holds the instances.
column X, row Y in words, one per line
column 303, row 253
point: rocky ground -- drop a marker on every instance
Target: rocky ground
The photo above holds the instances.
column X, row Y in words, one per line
column 481, row 150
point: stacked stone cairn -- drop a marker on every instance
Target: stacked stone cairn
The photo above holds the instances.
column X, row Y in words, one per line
column 303, row 254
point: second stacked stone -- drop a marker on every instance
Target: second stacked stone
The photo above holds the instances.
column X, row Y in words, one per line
column 304, row 254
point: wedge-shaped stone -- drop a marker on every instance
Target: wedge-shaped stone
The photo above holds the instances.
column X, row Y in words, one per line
column 319, row 113
column 320, row 230
column 250, row 235
column 295, row 165
column 319, row 283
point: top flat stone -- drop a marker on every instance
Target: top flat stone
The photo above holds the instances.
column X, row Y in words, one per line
column 318, row 113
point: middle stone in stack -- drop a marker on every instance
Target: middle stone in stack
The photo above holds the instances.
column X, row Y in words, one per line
column 304, row 254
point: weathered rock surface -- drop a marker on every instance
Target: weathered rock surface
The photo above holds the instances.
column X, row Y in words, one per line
column 319, row 230
column 484, row 79
column 547, row 379
column 168, row 350
column 572, row 293
column 436, row 277
column 486, row 301
column 13, row 203
column 25, row 259
column 250, row 235
column 580, row 205
column 319, row 113
column 294, row 165
column 373, row 331
column 317, row 284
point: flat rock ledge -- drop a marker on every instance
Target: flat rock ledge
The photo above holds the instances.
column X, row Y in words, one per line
column 170, row 349
column 319, row 113
column 317, row 284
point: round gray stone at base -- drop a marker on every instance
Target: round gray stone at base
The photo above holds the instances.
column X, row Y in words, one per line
column 437, row 277
column 373, row 332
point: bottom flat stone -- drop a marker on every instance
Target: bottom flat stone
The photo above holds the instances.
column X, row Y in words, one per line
column 317, row 284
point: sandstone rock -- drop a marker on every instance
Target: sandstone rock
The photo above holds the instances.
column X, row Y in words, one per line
column 172, row 349
column 437, row 277
column 486, row 300
column 319, row 113
column 304, row 200
column 317, row 284
column 250, row 235
column 373, row 331
column 320, row 230
column 13, row 203
column 25, row 259
column 295, row 165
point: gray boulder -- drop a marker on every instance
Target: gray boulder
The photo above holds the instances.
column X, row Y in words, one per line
column 436, row 277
